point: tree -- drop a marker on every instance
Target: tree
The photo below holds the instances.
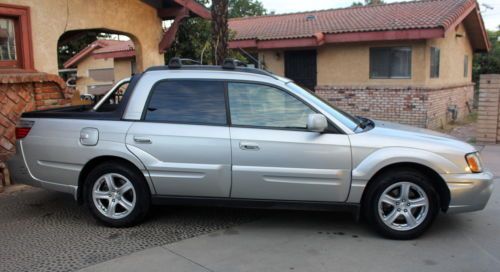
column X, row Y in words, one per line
column 488, row 63
column 193, row 39
column 220, row 30
column 367, row 3
column 243, row 8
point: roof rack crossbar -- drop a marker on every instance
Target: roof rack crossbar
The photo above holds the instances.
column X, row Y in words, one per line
column 176, row 62
column 233, row 63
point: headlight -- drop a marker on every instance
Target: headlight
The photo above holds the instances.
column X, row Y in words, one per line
column 474, row 162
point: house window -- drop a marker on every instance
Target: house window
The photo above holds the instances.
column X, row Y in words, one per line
column 15, row 38
column 466, row 66
column 8, row 42
column 390, row 62
column 103, row 74
column 435, row 57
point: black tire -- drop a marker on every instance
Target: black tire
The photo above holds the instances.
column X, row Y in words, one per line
column 394, row 178
column 141, row 194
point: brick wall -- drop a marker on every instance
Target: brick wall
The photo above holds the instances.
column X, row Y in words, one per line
column 488, row 130
column 440, row 99
column 422, row 107
column 26, row 92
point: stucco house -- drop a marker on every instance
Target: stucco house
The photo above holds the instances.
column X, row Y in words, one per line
column 409, row 62
column 101, row 64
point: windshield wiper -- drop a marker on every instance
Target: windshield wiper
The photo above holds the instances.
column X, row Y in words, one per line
column 363, row 123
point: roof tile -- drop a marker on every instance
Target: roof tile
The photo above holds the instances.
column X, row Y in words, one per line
column 396, row 16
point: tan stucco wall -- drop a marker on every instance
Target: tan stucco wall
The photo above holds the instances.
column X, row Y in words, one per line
column 274, row 61
column 452, row 51
column 82, row 72
column 51, row 18
column 349, row 64
column 123, row 68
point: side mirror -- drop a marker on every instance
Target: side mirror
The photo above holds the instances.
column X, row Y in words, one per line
column 316, row 122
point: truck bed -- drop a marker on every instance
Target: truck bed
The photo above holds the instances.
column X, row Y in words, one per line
column 105, row 112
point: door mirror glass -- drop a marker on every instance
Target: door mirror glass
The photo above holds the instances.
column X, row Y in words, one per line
column 316, row 122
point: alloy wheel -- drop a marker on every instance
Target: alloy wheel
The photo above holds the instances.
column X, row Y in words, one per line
column 114, row 196
column 403, row 206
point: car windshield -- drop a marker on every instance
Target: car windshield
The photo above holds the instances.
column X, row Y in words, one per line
column 348, row 120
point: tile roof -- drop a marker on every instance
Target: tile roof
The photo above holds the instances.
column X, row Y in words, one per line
column 424, row 14
column 115, row 46
column 100, row 47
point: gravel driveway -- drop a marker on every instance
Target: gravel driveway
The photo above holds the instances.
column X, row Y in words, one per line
column 48, row 231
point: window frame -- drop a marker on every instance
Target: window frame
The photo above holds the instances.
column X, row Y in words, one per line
column 150, row 95
column 433, row 52
column 390, row 61
column 22, row 28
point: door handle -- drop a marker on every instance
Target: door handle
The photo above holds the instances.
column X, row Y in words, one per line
column 249, row 146
column 142, row 140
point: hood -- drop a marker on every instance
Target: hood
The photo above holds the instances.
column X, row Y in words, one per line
column 394, row 134
column 401, row 127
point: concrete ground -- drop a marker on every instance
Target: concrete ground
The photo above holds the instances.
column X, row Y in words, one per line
column 314, row 241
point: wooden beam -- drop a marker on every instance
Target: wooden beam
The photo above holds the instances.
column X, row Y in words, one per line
column 171, row 13
column 195, row 8
column 169, row 36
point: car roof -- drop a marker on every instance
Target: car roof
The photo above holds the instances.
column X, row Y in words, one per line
column 222, row 72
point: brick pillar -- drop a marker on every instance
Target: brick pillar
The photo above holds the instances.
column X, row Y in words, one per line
column 21, row 92
column 488, row 130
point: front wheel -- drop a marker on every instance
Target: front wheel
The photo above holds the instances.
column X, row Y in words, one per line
column 116, row 195
column 401, row 204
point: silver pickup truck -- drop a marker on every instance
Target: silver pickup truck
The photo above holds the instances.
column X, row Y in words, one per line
column 235, row 136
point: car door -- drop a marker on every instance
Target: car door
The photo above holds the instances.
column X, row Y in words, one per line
column 183, row 138
column 275, row 157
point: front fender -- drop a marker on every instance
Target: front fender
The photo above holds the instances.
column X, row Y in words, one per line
column 377, row 160
column 392, row 155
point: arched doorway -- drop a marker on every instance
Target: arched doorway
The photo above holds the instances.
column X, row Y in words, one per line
column 91, row 61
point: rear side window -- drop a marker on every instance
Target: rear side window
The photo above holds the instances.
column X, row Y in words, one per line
column 185, row 101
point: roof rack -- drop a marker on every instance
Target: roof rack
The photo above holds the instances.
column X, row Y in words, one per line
column 176, row 63
column 228, row 65
column 233, row 63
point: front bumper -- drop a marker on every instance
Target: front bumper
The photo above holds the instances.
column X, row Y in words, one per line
column 469, row 192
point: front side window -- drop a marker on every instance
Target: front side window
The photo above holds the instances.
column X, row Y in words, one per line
column 8, row 42
column 265, row 106
column 187, row 101
column 435, row 56
column 390, row 62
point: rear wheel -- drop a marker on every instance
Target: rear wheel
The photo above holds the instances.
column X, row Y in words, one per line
column 401, row 204
column 116, row 195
